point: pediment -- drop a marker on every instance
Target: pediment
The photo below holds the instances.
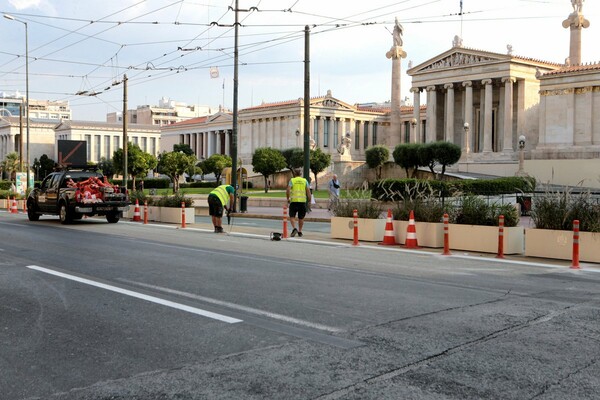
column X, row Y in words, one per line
column 220, row 117
column 459, row 57
column 330, row 102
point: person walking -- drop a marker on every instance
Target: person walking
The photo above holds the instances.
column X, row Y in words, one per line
column 334, row 191
column 298, row 194
column 218, row 200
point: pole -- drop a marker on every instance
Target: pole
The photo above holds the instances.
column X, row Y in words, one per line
column 306, row 102
column 575, row 264
column 183, row 214
column 21, row 137
column 285, row 229
column 355, row 223
column 234, row 133
column 500, row 237
column 27, row 99
column 446, row 237
column 125, row 131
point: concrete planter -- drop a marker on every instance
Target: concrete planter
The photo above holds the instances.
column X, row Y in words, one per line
column 485, row 238
column 170, row 215
column 369, row 230
column 429, row 234
column 549, row 243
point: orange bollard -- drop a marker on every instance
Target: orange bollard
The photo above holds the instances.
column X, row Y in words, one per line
column 355, row 216
column 500, row 237
column 145, row 211
column 575, row 264
column 446, row 237
column 183, row 214
column 285, row 214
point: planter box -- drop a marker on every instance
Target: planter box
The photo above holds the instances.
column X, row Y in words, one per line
column 163, row 214
column 429, row 234
column 485, row 238
column 369, row 230
column 549, row 243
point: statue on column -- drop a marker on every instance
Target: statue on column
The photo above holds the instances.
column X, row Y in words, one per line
column 577, row 6
column 396, row 50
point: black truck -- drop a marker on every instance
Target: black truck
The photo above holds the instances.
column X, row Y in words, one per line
column 71, row 194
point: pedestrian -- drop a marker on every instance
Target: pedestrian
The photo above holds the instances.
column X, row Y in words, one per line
column 218, row 200
column 298, row 194
column 334, row 191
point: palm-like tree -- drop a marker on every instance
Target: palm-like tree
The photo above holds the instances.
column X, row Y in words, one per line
column 11, row 165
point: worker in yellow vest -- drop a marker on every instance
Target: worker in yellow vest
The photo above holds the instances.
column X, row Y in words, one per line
column 298, row 194
column 218, row 200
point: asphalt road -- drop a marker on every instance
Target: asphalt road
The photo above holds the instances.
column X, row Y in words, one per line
column 129, row 311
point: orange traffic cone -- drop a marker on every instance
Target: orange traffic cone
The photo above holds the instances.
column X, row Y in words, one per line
column 389, row 239
column 136, row 212
column 411, row 233
column 14, row 208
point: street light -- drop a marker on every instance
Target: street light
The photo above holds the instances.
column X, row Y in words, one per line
column 467, row 127
column 521, row 171
column 413, row 136
column 8, row 16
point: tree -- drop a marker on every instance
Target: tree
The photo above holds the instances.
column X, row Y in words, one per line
column 215, row 164
column 107, row 167
column 46, row 165
column 11, row 165
column 138, row 162
column 406, row 155
column 174, row 164
column 183, row 147
column 376, row 157
column 318, row 162
column 267, row 161
column 294, row 157
column 446, row 154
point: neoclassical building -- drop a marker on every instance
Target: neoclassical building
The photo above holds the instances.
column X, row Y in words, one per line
column 206, row 135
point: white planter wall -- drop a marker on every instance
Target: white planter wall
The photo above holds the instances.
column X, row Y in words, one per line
column 549, row 243
column 369, row 230
column 485, row 238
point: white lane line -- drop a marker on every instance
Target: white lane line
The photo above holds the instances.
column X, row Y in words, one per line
column 250, row 310
column 142, row 296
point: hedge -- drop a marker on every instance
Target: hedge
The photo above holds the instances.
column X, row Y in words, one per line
column 396, row 189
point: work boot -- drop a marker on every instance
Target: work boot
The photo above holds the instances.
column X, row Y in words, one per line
column 219, row 229
column 216, row 229
column 299, row 234
column 294, row 232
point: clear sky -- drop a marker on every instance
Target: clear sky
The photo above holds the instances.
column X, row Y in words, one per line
column 167, row 47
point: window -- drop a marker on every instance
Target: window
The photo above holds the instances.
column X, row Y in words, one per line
column 326, row 133
column 153, row 146
column 116, row 142
column 356, row 135
column 134, row 140
column 406, row 132
column 107, row 147
column 316, row 132
column 366, row 135
column 374, row 133
column 144, row 145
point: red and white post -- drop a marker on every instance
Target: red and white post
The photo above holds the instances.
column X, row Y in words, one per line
column 183, row 214
column 500, row 237
column 285, row 216
column 355, row 222
column 446, row 237
column 145, row 211
column 575, row 264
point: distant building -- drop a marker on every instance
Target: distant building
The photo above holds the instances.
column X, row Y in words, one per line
column 166, row 113
column 44, row 110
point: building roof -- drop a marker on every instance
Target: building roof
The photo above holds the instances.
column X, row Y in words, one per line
column 71, row 124
column 575, row 68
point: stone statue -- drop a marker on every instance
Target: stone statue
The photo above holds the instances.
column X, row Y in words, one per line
column 397, row 34
column 509, row 49
column 577, row 5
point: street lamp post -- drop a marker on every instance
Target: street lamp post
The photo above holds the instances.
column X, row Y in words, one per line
column 467, row 127
column 8, row 16
column 413, row 136
column 521, row 171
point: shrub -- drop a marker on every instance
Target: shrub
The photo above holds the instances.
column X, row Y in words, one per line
column 423, row 200
column 174, row 200
column 557, row 210
column 365, row 207
column 475, row 210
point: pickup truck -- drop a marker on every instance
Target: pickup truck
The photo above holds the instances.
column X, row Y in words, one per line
column 71, row 194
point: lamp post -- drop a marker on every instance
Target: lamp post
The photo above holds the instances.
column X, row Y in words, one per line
column 8, row 16
column 521, row 171
column 467, row 128
column 413, row 136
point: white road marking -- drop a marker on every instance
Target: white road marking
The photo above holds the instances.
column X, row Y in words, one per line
column 142, row 296
column 250, row 310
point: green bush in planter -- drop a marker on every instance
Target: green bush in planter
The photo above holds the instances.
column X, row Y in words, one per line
column 557, row 210
column 174, row 200
column 476, row 211
column 421, row 198
column 365, row 207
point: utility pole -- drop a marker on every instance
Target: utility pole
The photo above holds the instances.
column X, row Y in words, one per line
column 234, row 133
column 21, row 137
column 125, row 130
column 306, row 102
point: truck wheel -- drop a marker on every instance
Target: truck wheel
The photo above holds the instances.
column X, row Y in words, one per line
column 64, row 214
column 112, row 218
column 31, row 213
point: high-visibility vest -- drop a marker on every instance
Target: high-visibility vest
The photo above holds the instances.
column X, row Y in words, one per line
column 221, row 193
column 298, row 190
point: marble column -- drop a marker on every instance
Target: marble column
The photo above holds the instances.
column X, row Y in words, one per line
column 431, row 114
column 228, row 142
column 396, row 54
column 449, row 129
column 487, row 123
column 416, row 113
column 468, row 85
column 507, row 140
column 576, row 22
column 321, row 132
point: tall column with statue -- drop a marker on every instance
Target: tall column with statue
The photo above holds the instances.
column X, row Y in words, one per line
column 396, row 54
column 576, row 22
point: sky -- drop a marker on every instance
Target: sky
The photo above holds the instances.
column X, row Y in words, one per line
column 167, row 48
